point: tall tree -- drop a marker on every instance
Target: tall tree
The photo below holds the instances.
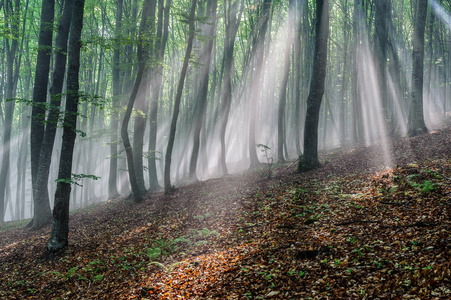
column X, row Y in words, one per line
column 178, row 97
column 42, row 212
column 60, row 224
column 382, row 14
column 13, row 58
column 51, row 122
column 310, row 159
column 283, row 87
column 205, row 60
column 416, row 123
column 157, row 81
column 257, row 79
column 232, row 22
column 136, row 180
column 114, row 120
column 146, row 51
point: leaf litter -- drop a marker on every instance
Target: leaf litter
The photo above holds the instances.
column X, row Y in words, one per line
column 350, row 230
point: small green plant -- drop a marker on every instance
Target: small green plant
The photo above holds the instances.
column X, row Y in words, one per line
column 97, row 278
column 70, row 273
column 269, row 160
column 153, row 253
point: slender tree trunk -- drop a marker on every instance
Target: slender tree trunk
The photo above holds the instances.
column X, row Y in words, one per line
column 42, row 211
column 162, row 37
column 382, row 13
column 416, row 115
column 233, row 22
column 202, row 93
column 178, row 97
column 145, row 52
column 283, row 87
column 60, row 224
column 136, row 181
column 114, row 120
column 257, row 81
column 316, row 93
column 45, row 157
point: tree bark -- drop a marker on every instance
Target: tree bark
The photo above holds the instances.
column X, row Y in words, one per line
column 283, row 87
column 257, row 81
column 114, row 120
column 205, row 59
column 416, row 123
column 178, row 96
column 51, row 125
column 60, row 225
column 135, row 179
column 42, row 211
column 145, row 52
column 232, row 24
column 162, row 37
column 310, row 159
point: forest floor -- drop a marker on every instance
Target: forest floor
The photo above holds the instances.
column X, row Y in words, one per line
column 349, row 230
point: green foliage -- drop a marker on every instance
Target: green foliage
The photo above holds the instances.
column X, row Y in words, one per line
column 77, row 177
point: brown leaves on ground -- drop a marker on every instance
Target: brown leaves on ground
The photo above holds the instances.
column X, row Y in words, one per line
column 350, row 230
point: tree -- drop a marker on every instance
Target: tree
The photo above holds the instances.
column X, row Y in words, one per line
column 283, row 88
column 13, row 62
column 60, row 225
column 42, row 212
column 231, row 26
column 178, row 96
column 135, row 178
column 146, row 52
column 51, row 121
column 310, row 159
column 114, row 120
column 381, row 23
column 205, row 60
column 257, row 80
column 416, row 123
column 157, row 80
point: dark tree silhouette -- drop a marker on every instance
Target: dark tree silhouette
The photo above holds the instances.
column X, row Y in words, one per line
column 310, row 159
column 178, row 97
column 60, row 224
column 416, row 123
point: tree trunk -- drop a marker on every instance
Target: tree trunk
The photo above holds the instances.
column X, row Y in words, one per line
column 145, row 52
column 162, row 37
column 310, row 160
column 416, row 117
column 283, row 87
column 114, row 120
column 257, row 81
column 45, row 157
column 233, row 22
column 42, row 211
column 205, row 59
column 178, row 97
column 381, row 37
column 60, row 225
column 136, row 181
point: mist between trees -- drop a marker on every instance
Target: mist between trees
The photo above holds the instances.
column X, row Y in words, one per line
column 170, row 92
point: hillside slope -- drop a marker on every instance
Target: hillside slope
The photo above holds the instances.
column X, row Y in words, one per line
column 352, row 229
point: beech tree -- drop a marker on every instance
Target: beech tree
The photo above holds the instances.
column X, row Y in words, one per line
column 42, row 211
column 60, row 225
column 178, row 96
column 416, row 114
column 310, row 158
